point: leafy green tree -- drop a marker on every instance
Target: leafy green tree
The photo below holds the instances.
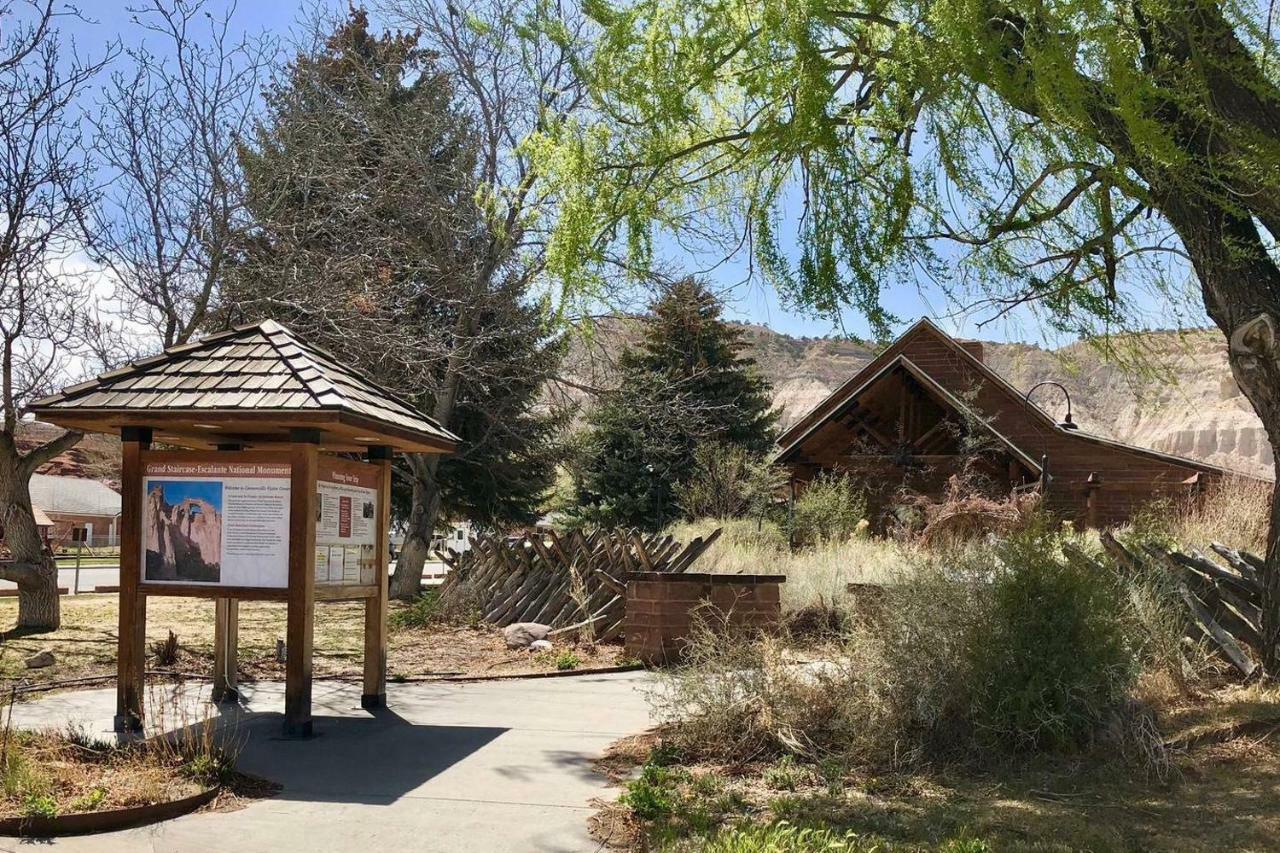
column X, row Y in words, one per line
column 684, row 384
column 365, row 236
column 1067, row 155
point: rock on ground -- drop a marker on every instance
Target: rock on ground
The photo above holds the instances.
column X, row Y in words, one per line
column 540, row 646
column 520, row 635
column 40, row 660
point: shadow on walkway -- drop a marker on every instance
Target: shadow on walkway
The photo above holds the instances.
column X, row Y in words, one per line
column 375, row 759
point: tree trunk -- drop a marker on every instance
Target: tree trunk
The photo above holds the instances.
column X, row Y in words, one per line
column 406, row 581
column 1240, row 285
column 1255, row 362
column 39, row 607
column 31, row 567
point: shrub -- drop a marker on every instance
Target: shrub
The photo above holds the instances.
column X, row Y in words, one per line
column 422, row 612
column 828, row 510
column 728, row 481
column 1051, row 661
column 567, row 660
column 991, row 649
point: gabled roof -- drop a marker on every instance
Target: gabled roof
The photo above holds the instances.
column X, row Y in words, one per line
column 939, row 393
column 801, row 430
column 73, row 495
column 259, row 373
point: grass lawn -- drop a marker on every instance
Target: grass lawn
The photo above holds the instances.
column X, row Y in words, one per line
column 86, row 562
column 86, row 643
column 1222, row 793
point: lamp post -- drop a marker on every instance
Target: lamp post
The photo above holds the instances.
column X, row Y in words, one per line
column 1066, row 423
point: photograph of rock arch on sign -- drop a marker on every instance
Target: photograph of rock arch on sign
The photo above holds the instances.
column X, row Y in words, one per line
column 182, row 530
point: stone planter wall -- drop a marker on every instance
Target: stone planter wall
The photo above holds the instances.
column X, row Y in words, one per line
column 660, row 608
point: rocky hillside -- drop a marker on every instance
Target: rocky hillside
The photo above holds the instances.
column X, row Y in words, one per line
column 1185, row 401
column 1182, row 399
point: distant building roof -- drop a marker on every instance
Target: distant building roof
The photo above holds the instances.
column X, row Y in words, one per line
column 73, row 495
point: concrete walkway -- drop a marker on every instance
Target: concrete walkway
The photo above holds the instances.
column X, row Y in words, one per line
column 492, row 766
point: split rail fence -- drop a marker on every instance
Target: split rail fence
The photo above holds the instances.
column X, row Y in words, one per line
column 574, row 582
column 1223, row 599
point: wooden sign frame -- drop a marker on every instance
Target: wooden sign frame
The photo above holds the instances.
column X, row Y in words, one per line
column 303, row 459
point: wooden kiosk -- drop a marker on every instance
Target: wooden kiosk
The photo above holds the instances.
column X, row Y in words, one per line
column 255, row 467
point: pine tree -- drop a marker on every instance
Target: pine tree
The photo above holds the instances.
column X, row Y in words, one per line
column 684, row 384
column 366, row 237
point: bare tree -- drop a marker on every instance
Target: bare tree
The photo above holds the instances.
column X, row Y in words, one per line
column 166, row 133
column 512, row 84
column 43, row 197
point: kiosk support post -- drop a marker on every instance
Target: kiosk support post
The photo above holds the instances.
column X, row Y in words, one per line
column 374, row 694
column 132, row 625
column 302, row 578
column 226, row 636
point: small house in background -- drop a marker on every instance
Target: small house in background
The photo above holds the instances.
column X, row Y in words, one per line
column 76, row 509
column 928, row 407
column 43, row 524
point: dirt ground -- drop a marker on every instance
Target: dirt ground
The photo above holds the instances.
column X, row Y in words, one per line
column 86, row 643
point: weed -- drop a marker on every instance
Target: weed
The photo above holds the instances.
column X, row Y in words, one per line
column 832, row 773
column 784, row 775
column 40, row 806
column 665, row 754
column 165, row 651
column 567, row 660
column 782, row 837
column 707, row 785
column 423, row 612
column 651, row 796
column 90, row 801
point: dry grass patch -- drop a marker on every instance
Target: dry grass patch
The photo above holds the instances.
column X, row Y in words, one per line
column 46, row 774
column 815, row 575
column 86, row 644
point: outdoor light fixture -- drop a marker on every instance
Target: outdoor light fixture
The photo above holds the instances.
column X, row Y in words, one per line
column 1067, row 423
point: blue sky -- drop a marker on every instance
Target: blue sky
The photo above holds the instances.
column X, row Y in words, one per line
column 746, row 300
column 177, row 491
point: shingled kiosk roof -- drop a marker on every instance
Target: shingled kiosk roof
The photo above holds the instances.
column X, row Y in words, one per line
column 250, row 385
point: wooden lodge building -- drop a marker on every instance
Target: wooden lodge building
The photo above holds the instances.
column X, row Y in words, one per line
column 912, row 417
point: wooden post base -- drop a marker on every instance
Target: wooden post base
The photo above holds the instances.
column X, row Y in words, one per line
column 226, row 694
column 297, row 731
column 370, row 701
column 126, row 723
